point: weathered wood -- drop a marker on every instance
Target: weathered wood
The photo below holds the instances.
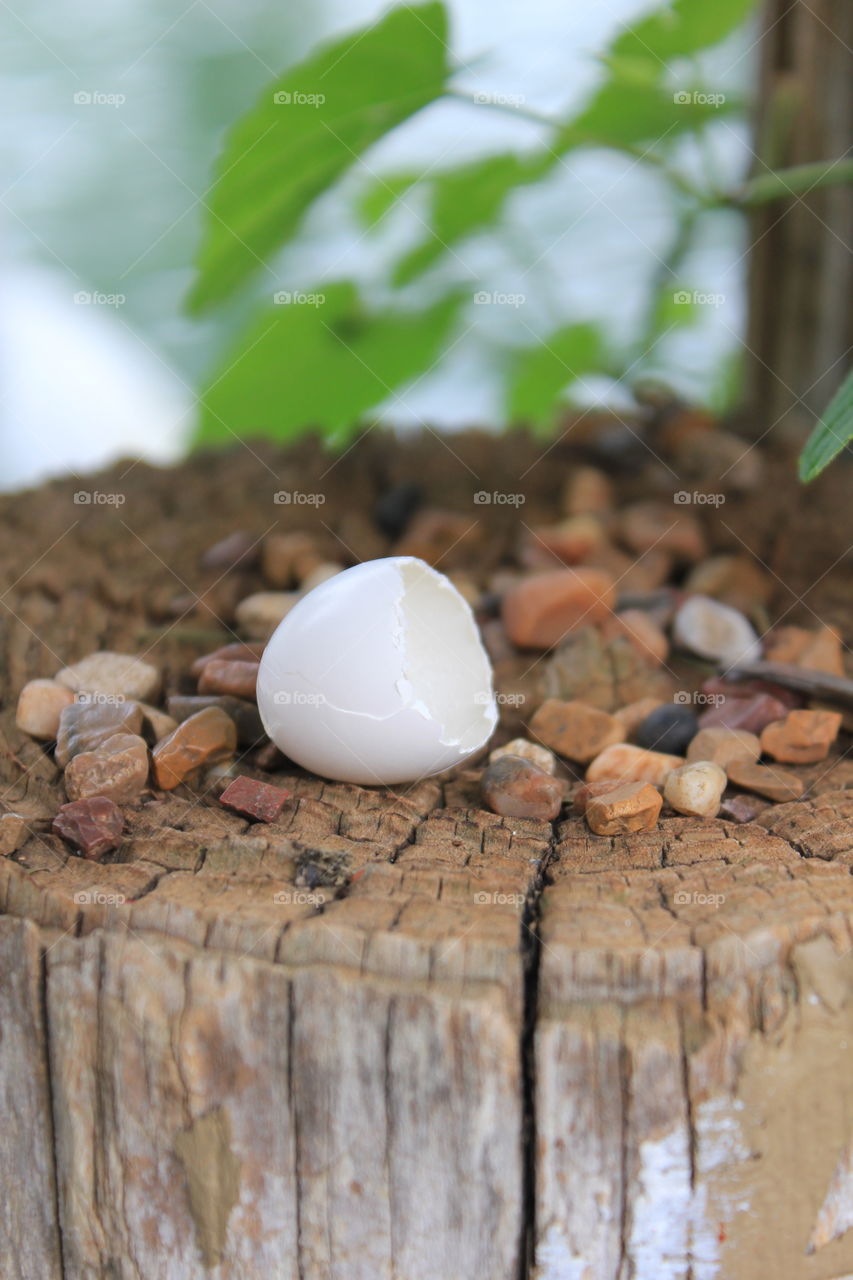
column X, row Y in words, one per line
column 390, row 1034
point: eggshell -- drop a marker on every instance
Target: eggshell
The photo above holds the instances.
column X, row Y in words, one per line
column 378, row 676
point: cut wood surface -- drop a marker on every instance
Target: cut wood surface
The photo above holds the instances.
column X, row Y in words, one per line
column 392, row 1035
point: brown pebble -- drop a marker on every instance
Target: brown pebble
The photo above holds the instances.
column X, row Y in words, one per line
column 803, row 737
column 532, row 751
column 571, row 541
column 819, row 650
column 632, row 764
column 575, row 729
column 634, row 806
column 587, row 791
column 733, row 579
column 722, row 745
column 239, row 651
column 240, row 679
column 665, row 527
column 642, row 631
column 766, row 780
column 118, row 768
column 743, row 808
column 84, row 725
column 40, row 704
column 543, row 608
column 94, row 826
column 157, row 723
column 245, row 714
column 119, row 674
column 207, row 736
column 435, row 535
column 515, row 788
column 587, row 491
column 13, row 832
column 237, row 550
column 269, row 758
column 252, row 799
column 288, row 558
column 752, row 714
column 258, row 615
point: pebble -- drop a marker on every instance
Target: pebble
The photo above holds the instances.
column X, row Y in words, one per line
column 721, row 746
column 515, row 788
column 664, row 527
column 671, row 728
column 286, row 558
column 735, row 580
column 395, row 508
column 751, row 714
column 207, row 736
column 83, row 726
column 40, row 704
column 321, row 573
column 742, row 808
column 715, row 631
column 221, row 675
column 775, row 784
column 159, row 723
column 634, row 806
column 245, row 714
column 642, row 631
column 435, row 535
column 252, row 799
column 13, row 832
column 239, row 651
column 93, row 826
column 815, row 650
column 238, row 550
column 632, row 764
column 696, row 789
column 112, row 673
column 543, row 608
column 572, row 540
column 258, row 615
column 118, row 769
column 802, row 737
column 587, row 491
column 603, row 673
column 526, row 750
column 575, row 729
column 633, row 714
column 587, row 791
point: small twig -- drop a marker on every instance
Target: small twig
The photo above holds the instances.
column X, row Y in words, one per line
column 815, row 684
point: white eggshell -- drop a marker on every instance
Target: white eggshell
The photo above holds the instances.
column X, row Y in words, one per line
column 378, row 676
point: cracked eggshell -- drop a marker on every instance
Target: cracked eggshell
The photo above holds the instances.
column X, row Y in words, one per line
column 378, row 676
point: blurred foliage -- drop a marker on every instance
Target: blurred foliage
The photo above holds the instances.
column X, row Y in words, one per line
column 832, row 434
column 326, row 365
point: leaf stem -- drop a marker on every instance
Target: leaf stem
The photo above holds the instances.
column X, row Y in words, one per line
column 800, row 179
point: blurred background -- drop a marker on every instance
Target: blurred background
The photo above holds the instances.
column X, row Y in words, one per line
column 113, row 120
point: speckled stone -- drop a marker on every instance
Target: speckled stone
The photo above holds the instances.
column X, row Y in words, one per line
column 260, row 801
column 40, row 704
column 633, row 806
column 632, row 764
column 118, row 768
column 515, row 788
column 112, row 673
column 83, row 726
column 803, row 737
column 204, row 738
column 723, row 745
column 766, row 780
column 94, row 826
column 221, row 675
column 575, row 729
column 543, row 608
column 526, row 750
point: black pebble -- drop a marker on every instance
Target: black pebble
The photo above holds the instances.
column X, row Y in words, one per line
column 395, row 508
column 668, row 728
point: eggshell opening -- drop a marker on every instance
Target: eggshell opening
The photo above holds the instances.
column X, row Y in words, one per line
column 378, row 676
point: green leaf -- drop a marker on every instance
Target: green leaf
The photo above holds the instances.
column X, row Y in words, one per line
column 308, row 128
column 832, row 434
column 681, row 29
column 381, row 196
column 625, row 113
column 319, row 361
column 465, row 199
column 800, row 179
column 543, row 372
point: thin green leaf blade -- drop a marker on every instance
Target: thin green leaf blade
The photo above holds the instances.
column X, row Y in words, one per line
column 831, row 435
column 681, row 29
column 543, row 372
column 318, row 363
column 309, row 127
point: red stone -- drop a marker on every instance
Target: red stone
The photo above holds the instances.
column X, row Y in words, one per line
column 94, row 826
column 252, row 799
column 240, row 679
column 239, row 651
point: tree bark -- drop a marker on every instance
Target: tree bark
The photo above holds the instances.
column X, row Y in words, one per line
column 391, row 1034
column 800, row 328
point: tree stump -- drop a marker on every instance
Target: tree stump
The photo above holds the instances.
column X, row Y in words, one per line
column 391, row 1034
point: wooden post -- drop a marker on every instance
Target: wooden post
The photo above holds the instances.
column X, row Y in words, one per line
column 800, row 327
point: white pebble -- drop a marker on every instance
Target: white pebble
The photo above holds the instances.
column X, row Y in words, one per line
column 714, row 630
column 695, row 789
